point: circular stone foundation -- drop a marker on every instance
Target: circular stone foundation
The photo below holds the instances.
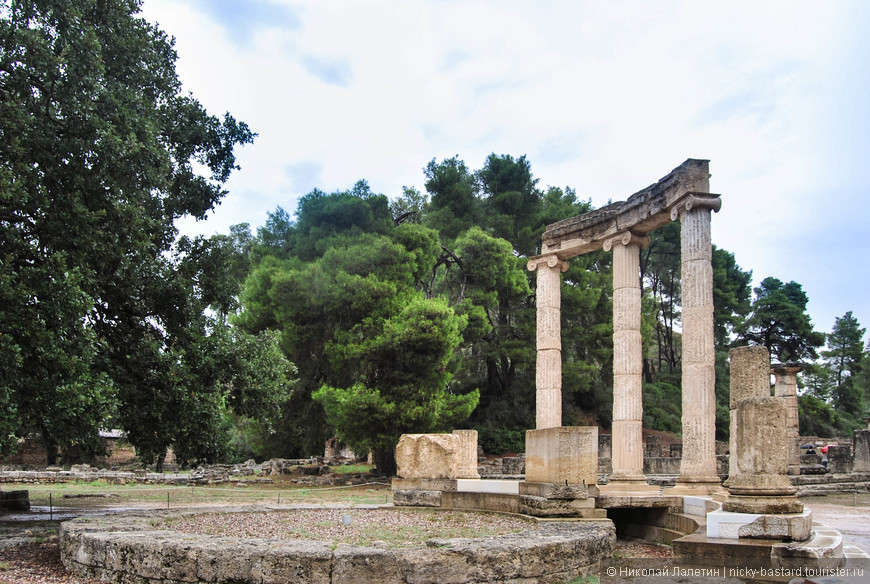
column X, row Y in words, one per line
column 141, row 548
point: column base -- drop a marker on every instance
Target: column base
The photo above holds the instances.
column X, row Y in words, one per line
column 770, row 504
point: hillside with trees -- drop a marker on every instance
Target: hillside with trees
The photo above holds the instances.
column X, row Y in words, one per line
column 359, row 314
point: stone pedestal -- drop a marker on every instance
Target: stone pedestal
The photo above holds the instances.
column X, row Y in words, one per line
column 758, row 481
column 786, row 388
column 561, row 473
column 698, row 466
column 627, row 454
column 750, row 377
column 567, row 454
column 467, row 468
column 548, row 369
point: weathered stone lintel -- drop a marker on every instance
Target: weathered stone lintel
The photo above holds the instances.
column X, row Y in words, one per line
column 642, row 213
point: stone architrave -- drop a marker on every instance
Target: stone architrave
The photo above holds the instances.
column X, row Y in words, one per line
column 698, row 464
column 786, row 388
column 759, row 481
column 428, row 456
column 467, row 454
column 565, row 454
column 750, row 377
column 548, row 373
column 627, row 447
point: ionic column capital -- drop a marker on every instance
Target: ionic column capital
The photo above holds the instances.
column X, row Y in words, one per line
column 551, row 261
column 785, row 369
column 695, row 201
column 626, row 238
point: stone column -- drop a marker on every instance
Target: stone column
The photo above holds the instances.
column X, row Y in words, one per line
column 548, row 374
column 749, row 378
column 698, row 465
column 786, row 388
column 758, row 482
column 627, row 447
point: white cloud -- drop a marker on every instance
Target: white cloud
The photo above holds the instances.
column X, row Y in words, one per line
column 606, row 97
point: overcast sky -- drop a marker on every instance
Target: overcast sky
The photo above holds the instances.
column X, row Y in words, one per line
column 606, row 97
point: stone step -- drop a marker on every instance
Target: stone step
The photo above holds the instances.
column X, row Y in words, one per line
column 699, row 546
column 853, row 552
column 825, row 545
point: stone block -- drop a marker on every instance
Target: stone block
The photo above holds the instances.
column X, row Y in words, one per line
column 417, row 498
column 762, row 504
column 498, row 502
column 513, row 465
column 840, row 459
column 786, row 527
column 789, row 527
column 750, row 373
column 504, row 487
column 467, row 468
column 554, row 491
column 14, row 500
column 759, row 464
column 567, row 454
column 365, row 565
column 428, row 456
column 695, row 506
column 605, row 445
column 400, row 484
column 542, row 507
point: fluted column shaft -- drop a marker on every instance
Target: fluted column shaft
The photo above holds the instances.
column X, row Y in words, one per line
column 548, row 374
column 627, row 444
column 699, row 360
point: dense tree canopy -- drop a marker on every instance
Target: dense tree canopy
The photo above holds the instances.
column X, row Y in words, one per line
column 99, row 148
column 414, row 314
column 779, row 321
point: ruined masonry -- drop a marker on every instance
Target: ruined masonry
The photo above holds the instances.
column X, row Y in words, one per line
column 623, row 228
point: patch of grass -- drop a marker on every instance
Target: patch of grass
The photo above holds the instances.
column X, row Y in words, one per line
column 134, row 495
column 590, row 579
column 351, row 469
column 5, row 566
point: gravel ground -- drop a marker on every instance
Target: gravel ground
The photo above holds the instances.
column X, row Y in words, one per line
column 36, row 563
column 393, row 528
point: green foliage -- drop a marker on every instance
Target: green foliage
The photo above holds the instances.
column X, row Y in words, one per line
column 403, row 377
column 731, row 295
column 816, row 418
column 779, row 322
column 501, row 440
column 101, row 152
column 510, row 200
column 660, row 275
column 662, row 407
column 844, row 360
column 453, row 204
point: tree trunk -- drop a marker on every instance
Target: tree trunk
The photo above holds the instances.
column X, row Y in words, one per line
column 385, row 462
